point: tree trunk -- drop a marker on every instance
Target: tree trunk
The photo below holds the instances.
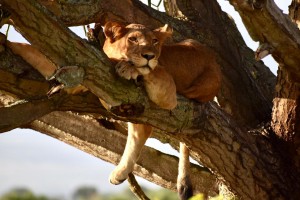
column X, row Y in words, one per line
column 286, row 109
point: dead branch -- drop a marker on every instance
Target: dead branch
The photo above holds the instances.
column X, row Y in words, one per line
column 135, row 188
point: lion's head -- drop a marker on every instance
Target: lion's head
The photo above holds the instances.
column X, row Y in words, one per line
column 135, row 43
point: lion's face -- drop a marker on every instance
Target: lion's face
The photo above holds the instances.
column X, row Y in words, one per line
column 136, row 44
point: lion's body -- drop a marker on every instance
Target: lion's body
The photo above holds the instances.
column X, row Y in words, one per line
column 188, row 67
column 194, row 69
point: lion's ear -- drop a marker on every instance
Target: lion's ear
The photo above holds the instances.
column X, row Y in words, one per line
column 163, row 32
column 114, row 31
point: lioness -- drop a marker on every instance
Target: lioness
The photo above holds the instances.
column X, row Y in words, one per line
column 187, row 67
column 193, row 69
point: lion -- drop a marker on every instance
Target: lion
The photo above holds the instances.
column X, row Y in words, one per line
column 188, row 68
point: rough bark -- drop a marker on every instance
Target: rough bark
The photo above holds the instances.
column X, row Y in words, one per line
column 252, row 165
column 286, row 114
column 294, row 11
column 294, row 15
column 267, row 24
column 78, row 129
column 286, row 110
column 213, row 28
column 78, row 134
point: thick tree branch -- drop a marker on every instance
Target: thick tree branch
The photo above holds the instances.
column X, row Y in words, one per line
column 99, row 77
column 88, row 103
column 236, row 99
column 17, row 76
column 10, row 117
column 267, row 24
column 135, row 188
column 294, row 12
column 205, row 145
column 84, row 103
column 109, row 145
column 21, row 80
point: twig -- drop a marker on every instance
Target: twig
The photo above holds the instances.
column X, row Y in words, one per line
column 84, row 29
column 135, row 188
column 7, row 30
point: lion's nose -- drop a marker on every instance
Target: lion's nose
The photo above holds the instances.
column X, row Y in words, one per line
column 148, row 56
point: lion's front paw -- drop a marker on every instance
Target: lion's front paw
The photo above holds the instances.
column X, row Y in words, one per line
column 126, row 70
column 117, row 176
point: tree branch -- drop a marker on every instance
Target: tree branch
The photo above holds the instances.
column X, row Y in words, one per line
column 135, row 188
column 88, row 103
column 16, row 81
column 213, row 28
column 294, row 12
column 109, row 145
column 267, row 24
column 10, row 117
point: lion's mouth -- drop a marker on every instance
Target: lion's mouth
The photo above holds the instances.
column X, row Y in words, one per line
column 139, row 67
column 145, row 66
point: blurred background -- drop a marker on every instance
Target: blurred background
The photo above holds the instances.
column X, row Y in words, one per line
column 36, row 166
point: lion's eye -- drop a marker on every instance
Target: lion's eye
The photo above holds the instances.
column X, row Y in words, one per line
column 155, row 41
column 133, row 39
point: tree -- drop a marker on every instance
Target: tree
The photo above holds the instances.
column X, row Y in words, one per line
column 21, row 194
column 86, row 193
column 248, row 144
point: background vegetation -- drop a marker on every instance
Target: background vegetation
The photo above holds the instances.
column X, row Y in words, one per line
column 88, row 193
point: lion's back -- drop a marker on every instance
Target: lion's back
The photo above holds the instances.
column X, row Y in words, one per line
column 193, row 67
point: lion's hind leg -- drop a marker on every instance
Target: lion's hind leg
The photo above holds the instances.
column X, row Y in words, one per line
column 34, row 57
column 184, row 185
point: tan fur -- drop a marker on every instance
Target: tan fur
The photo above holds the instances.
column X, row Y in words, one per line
column 40, row 62
column 194, row 69
column 188, row 67
column 34, row 57
column 192, row 65
column 130, row 45
column 137, row 136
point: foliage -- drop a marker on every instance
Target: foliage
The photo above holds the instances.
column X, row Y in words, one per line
column 91, row 193
column 197, row 197
column 162, row 194
column 22, row 194
column 86, row 193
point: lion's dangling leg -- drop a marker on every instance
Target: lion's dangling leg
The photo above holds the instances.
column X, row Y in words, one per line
column 137, row 136
column 184, row 186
